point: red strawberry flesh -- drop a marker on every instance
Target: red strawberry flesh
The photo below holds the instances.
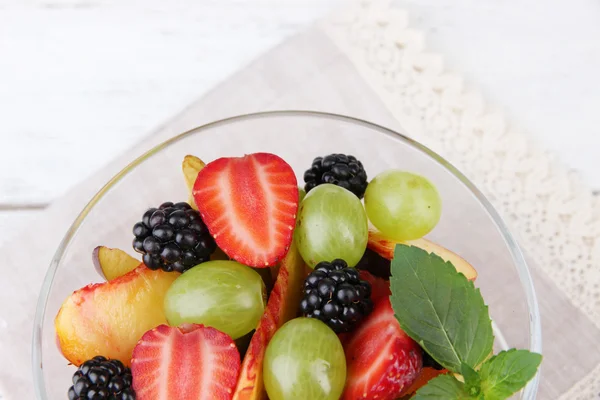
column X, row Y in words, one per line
column 249, row 205
column 192, row 362
column 382, row 360
column 380, row 288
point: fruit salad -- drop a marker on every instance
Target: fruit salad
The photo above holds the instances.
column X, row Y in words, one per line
column 255, row 288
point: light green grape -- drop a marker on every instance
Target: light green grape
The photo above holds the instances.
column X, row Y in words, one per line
column 301, row 194
column 403, row 205
column 226, row 295
column 304, row 360
column 331, row 224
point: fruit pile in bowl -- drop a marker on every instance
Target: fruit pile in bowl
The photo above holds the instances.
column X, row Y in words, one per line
column 255, row 288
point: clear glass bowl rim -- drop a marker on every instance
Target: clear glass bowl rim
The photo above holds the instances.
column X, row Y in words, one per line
column 535, row 332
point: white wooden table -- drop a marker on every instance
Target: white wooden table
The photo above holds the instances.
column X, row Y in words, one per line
column 82, row 80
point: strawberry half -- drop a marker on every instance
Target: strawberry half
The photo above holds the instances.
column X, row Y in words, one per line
column 249, row 205
column 381, row 359
column 192, row 362
column 380, row 288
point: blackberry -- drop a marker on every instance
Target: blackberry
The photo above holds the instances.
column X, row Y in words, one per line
column 173, row 237
column 336, row 295
column 100, row 378
column 339, row 169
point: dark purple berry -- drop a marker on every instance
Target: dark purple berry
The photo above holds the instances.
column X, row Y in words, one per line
column 314, row 278
column 186, row 238
column 338, row 276
column 331, row 309
column 352, row 274
column 347, row 293
column 140, row 229
column 164, row 233
column 81, row 386
column 350, row 313
column 337, row 169
column 152, row 262
column 316, row 314
column 138, row 245
column 304, row 306
column 335, row 294
column 364, row 289
column 171, row 253
column 313, row 299
column 177, row 266
column 100, row 378
column 173, row 238
column 147, row 215
column 337, row 325
column 166, row 204
column 157, row 218
column 182, row 205
column 152, row 245
column 179, row 219
column 326, row 287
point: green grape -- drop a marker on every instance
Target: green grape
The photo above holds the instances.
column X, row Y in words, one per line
column 403, row 205
column 301, row 194
column 331, row 224
column 226, row 295
column 304, row 360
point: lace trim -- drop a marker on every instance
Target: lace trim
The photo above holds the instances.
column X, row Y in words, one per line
column 552, row 213
column 555, row 216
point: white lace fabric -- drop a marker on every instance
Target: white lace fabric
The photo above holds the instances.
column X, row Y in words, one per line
column 555, row 217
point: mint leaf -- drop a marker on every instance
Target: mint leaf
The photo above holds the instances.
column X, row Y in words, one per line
column 507, row 373
column 472, row 380
column 443, row 387
column 439, row 308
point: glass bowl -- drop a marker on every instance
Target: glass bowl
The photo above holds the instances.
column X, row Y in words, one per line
column 469, row 224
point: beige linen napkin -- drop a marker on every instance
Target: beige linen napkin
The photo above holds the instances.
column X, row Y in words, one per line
column 321, row 69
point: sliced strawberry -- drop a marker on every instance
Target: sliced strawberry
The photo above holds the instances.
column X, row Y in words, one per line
column 381, row 359
column 282, row 306
column 379, row 287
column 192, row 362
column 249, row 205
column 425, row 376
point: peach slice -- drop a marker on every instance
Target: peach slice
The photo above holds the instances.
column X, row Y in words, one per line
column 109, row 318
column 113, row 263
column 281, row 307
column 190, row 166
column 385, row 247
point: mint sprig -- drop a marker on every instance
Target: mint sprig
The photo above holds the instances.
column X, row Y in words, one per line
column 445, row 387
column 507, row 372
column 440, row 308
column 472, row 380
column 443, row 311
